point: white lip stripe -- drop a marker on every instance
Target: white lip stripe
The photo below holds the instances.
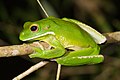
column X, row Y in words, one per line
column 94, row 56
column 39, row 36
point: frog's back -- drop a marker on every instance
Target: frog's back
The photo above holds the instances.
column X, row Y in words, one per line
column 70, row 34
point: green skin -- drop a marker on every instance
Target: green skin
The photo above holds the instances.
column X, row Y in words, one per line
column 62, row 34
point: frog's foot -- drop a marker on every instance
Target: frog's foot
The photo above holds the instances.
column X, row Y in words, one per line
column 47, row 54
column 36, row 52
column 80, row 60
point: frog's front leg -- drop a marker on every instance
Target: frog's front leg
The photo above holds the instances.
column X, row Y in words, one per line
column 80, row 57
column 57, row 50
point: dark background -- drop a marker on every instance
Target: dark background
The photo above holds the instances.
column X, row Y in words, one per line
column 103, row 15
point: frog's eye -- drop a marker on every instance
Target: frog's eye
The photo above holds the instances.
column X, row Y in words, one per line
column 34, row 28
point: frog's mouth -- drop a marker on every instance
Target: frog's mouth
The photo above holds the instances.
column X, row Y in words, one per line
column 38, row 36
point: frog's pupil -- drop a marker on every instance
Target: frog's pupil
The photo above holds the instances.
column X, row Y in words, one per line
column 33, row 28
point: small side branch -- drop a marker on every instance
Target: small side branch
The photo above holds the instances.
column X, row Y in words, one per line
column 30, row 70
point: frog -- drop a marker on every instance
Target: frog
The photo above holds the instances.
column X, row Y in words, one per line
column 72, row 42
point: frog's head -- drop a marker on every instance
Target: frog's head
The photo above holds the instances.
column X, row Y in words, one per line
column 36, row 30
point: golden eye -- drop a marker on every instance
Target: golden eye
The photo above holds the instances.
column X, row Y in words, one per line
column 34, row 28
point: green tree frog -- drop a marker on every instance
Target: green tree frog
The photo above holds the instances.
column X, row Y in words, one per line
column 73, row 43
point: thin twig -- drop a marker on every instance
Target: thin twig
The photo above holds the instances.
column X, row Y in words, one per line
column 30, row 70
column 43, row 8
column 58, row 72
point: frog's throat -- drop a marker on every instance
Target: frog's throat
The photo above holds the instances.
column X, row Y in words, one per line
column 47, row 33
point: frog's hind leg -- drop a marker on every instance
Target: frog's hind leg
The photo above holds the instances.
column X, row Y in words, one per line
column 80, row 57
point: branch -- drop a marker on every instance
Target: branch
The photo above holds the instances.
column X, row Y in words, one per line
column 26, row 49
column 112, row 37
